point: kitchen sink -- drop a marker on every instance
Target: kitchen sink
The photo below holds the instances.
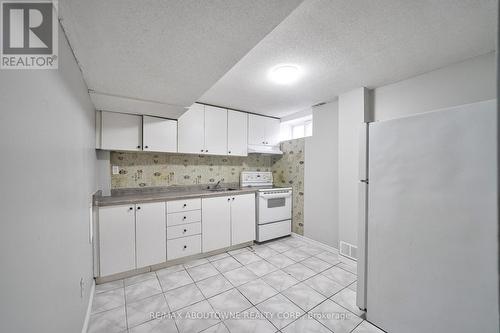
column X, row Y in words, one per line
column 222, row 189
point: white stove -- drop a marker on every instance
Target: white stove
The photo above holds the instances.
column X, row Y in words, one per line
column 274, row 205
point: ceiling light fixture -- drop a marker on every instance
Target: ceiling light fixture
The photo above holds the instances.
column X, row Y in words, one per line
column 284, row 74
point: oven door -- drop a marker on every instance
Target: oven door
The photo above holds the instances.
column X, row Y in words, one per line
column 274, row 207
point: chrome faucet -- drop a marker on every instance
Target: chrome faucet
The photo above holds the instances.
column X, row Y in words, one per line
column 217, row 185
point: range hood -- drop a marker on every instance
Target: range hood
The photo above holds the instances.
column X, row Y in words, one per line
column 263, row 149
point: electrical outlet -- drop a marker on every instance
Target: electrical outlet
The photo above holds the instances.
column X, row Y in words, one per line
column 116, row 170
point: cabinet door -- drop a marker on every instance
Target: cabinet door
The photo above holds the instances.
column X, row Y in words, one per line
column 116, row 239
column 159, row 134
column 190, row 127
column 216, row 223
column 237, row 133
column 256, row 129
column 273, row 127
column 150, row 234
column 121, row 131
column 242, row 218
column 215, row 130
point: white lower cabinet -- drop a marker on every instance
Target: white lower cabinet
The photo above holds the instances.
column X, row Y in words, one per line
column 184, row 230
column 183, row 217
column 150, row 234
column 116, row 239
column 131, row 236
column 216, row 223
column 242, row 218
column 228, row 221
column 145, row 234
column 182, row 247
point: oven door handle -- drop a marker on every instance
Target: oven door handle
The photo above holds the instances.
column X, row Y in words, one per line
column 275, row 195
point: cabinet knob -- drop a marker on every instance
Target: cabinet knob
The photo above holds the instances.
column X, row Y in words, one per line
column 185, row 230
column 185, row 246
column 138, row 207
column 206, row 151
column 228, row 199
column 229, row 152
column 185, row 205
column 130, row 208
column 202, row 150
column 184, row 218
column 233, row 198
column 146, row 147
column 139, row 147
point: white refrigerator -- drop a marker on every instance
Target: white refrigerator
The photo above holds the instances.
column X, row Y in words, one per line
column 428, row 229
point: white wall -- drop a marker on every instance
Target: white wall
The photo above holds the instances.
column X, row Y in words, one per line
column 352, row 114
column 48, row 169
column 103, row 171
column 321, row 177
column 466, row 82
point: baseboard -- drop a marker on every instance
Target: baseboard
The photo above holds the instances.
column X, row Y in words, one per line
column 89, row 308
column 315, row 242
column 324, row 246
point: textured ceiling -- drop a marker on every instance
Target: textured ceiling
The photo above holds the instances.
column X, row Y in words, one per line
column 168, row 51
column 344, row 44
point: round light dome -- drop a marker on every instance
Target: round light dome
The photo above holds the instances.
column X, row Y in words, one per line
column 284, row 74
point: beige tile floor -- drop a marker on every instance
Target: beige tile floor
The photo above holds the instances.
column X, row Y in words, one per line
column 286, row 285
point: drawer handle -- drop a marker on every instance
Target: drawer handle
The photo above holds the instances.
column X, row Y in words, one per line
column 185, row 230
column 185, row 247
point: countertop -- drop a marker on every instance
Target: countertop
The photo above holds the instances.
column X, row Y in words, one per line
column 154, row 194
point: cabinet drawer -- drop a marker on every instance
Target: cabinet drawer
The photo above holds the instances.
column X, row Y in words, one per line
column 183, row 205
column 183, row 217
column 182, row 247
column 273, row 230
column 184, row 230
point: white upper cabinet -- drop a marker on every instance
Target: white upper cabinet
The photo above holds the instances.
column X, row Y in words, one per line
column 159, row 134
column 120, row 131
column 263, row 130
column 203, row 130
column 256, row 130
column 191, row 130
column 215, row 130
column 273, row 127
column 237, row 133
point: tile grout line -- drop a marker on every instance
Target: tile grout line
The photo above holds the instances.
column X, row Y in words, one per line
column 251, row 249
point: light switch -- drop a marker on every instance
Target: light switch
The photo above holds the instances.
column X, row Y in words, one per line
column 116, row 169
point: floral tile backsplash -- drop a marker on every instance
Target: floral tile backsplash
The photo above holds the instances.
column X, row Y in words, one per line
column 143, row 169
column 160, row 169
column 288, row 170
